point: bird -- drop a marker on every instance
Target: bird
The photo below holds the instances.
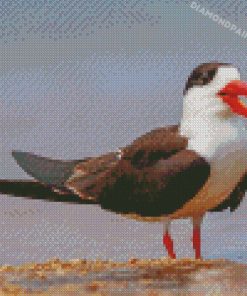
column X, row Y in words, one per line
column 172, row 172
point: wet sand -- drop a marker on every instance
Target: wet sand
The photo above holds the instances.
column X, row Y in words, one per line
column 152, row 277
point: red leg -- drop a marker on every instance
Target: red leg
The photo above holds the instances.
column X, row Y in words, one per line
column 197, row 241
column 168, row 243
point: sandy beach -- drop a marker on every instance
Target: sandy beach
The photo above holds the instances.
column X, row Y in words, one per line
column 151, row 277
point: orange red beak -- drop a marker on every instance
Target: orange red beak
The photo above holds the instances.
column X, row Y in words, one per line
column 230, row 95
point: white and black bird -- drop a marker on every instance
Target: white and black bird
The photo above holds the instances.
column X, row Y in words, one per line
column 172, row 172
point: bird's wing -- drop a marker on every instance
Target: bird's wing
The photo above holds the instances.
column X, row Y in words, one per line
column 158, row 144
column 65, row 176
column 88, row 173
column 89, row 176
column 155, row 190
column 32, row 189
column 47, row 171
column 156, row 175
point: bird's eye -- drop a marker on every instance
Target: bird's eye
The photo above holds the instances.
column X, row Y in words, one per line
column 207, row 76
column 211, row 74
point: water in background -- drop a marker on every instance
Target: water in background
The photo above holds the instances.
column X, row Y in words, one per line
column 33, row 230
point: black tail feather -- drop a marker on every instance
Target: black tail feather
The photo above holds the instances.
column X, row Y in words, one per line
column 34, row 190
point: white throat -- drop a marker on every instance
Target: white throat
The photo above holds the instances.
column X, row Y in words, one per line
column 211, row 127
column 208, row 122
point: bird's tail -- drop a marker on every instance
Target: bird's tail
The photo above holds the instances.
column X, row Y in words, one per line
column 64, row 176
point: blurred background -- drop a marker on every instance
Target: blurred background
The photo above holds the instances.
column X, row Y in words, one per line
column 79, row 78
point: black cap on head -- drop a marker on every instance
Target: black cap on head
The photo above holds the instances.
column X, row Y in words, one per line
column 203, row 74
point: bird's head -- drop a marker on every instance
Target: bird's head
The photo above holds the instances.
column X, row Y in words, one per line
column 215, row 88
